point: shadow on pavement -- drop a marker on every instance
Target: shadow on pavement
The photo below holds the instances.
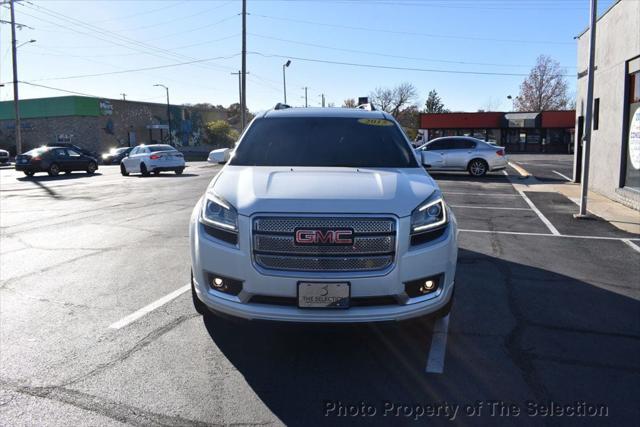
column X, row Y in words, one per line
column 517, row 334
column 168, row 175
column 61, row 177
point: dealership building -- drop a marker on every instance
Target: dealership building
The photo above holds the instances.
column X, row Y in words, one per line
column 615, row 137
column 99, row 124
column 543, row 132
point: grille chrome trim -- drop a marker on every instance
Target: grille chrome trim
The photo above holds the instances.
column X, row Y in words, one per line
column 273, row 246
column 297, row 263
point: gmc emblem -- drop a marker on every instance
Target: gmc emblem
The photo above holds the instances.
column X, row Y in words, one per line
column 324, row 236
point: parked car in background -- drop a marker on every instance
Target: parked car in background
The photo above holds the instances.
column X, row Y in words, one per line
column 156, row 158
column 462, row 153
column 77, row 148
column 221, row 155
column 54, row 160
column 115, row 155
column 4, row 157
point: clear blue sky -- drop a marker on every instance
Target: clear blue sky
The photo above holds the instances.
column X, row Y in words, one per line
column 83, row 37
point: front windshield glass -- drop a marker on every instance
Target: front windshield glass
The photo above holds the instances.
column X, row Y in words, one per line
column 326, row 142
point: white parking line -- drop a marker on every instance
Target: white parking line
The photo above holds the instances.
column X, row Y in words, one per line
column 438, row 349
column 562, row 175
column 149, row 308
column 480, row 194
column 568, row 236
column 544, row 219
column 489, row 207
column 632, row 245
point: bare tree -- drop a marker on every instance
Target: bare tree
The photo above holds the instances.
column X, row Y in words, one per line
column 545, row 88
column 394, row 100
column 349, row 103
column 434, row 103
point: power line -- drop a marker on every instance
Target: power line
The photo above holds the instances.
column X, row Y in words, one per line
column 133, row 70
column 59, row 89
column 390, row 67
column 391, row 56
column 120, row 39
column 410, row 33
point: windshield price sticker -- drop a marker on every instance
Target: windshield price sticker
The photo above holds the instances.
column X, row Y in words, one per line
column 375, row 122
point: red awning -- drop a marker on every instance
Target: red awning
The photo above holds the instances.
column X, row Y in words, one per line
column 491, row 120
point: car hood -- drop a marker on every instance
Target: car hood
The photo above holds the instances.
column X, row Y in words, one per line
column 253, row 189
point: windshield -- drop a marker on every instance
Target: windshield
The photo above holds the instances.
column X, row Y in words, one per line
column 153, row 148
column 121, row 150
column 324, row 141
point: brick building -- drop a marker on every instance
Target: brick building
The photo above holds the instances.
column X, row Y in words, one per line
column 100, row 124
column 543, row 132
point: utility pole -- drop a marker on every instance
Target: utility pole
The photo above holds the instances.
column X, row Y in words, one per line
column 124, row 96
column 306, row 104
column 322, row 100
column 586, row 141
column 16, row 99
column 243, row 84
column 168, row 111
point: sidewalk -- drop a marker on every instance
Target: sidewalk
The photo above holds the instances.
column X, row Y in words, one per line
column 618, row 215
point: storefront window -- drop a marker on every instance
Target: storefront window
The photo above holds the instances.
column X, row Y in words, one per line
column 480, row 134
column 464, row 132
column 493, row 135
column 632, row 175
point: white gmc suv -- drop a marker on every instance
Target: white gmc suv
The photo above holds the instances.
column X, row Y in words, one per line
column 323, row 215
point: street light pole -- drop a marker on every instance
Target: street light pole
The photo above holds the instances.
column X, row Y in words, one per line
column 16, row 99
column 306, row 103
column 586, row 140
column 168, row 111
column 243, row 85
column 284, row 78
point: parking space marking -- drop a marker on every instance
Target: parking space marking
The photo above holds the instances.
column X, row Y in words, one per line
column 562, row 175
column 522, row 171
column 480, row 194
column 149, row 308
column 632, row 245
column 489, row 207
column 438, row 349
column 544, row 219
column 569, row 236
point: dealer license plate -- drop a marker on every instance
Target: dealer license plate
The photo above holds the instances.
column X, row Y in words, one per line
column 323, row 295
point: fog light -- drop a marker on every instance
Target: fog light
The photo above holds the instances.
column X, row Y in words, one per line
column 225, row 284
column 421, row 287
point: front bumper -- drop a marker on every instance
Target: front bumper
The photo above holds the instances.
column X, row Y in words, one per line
column 210, row 255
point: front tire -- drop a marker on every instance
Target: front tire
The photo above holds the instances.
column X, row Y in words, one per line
column 54, row 170
column 123, row 170
column 91, row 168
column 28, row 173
column 143, row 170
column 478, row 167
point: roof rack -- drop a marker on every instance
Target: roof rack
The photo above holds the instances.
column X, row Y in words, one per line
column 281, row 106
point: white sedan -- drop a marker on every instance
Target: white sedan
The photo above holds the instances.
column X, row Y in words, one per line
column 221, row 155
column 155, row 158
column 461, row 153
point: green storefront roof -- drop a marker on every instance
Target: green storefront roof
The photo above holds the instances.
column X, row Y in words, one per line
column 52, row 107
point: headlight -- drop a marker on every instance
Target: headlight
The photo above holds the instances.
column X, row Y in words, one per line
column 432, row 213
column 219, row 214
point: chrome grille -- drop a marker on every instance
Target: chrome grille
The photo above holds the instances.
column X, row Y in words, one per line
column 373, row 248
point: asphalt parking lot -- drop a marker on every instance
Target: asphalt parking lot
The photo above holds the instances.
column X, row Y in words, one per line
column 97, row 326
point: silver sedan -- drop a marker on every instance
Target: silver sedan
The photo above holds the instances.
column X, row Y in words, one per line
column 461, row 153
